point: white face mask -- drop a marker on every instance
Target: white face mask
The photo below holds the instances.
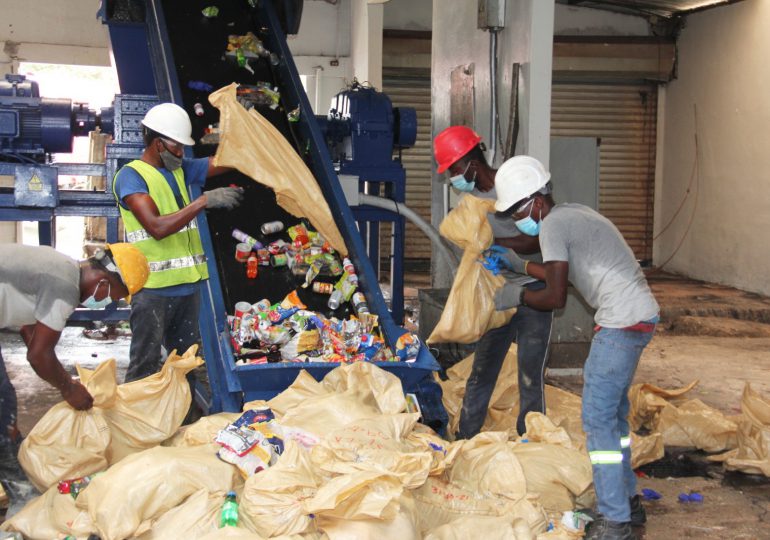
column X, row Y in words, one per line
column 92, row 303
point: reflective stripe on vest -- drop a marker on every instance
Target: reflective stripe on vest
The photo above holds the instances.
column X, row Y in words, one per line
column 173, row 264
column 141, row 234
column 177, row 258
column 605, row 457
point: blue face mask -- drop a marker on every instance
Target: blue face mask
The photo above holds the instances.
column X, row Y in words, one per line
column 92, row 303
column 528, row 225
column 461, row 184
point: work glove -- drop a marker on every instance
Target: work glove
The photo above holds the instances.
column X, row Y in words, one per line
column 77, row 396
column 508, row 296
column 224, row 197
column 502, row 256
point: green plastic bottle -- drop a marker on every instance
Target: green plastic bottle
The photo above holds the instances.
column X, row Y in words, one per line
column 229, row 516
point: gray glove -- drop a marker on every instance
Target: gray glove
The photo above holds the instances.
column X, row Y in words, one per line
column 224, row 197
column 507, row 258
column 508, row 296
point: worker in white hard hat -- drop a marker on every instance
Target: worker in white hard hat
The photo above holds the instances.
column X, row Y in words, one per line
column 39, row 289
column 159, row 218
column 460, row 155
column 581, row 246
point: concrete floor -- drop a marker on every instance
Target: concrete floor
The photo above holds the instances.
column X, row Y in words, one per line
column 718, row 335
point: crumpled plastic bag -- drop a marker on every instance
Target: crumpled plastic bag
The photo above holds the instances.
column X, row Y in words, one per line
column 349, row 393
column 470, row 307
column 752, row 455
column 403, row 526
column 360, row 495
column 66, row 443
column 439, row 502
column 273, row 499
column 146, row 485
column 148, row 411
column 487, row 465
column 696, row 425
column 48, row 516
column 647, row 400
column 488, row 528
column 375, row 444
column 125, row 419
column 250, row 143
column 562, row 477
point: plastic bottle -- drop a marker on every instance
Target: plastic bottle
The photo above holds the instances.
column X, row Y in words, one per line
column 229, row 515
column 335, row 299
column 359, row 303
column 252, row 266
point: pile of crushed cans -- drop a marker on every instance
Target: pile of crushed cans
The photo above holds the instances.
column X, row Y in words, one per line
column 286, row 331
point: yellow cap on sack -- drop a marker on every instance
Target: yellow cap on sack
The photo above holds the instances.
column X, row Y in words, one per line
column 131, row 265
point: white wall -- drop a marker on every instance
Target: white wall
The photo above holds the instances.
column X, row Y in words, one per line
column 52, row 32
column 723, row 74
column 582, row 21
column 408, row 15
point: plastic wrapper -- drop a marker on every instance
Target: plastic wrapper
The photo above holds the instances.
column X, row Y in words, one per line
column 470, row 307
column 407, row 347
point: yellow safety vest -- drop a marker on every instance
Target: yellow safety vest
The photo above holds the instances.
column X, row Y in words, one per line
column 178, row 258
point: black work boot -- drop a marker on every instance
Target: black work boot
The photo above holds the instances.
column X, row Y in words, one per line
column 603, row 529
column 638, row 514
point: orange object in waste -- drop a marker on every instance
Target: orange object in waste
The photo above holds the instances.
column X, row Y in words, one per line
column 252, row 266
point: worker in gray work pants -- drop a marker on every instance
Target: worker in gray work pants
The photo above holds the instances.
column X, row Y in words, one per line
column 459, row 152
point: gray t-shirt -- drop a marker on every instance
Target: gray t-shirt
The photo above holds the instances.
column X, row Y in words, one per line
column 601, row 265
column 37, row 284
column 505, row 228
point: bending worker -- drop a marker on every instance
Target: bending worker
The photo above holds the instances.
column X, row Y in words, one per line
column 582, row 246
column 460, row 153
column 39, row 290
column 159, row 217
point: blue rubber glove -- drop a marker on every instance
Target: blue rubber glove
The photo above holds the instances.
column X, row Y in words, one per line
column 506, row 258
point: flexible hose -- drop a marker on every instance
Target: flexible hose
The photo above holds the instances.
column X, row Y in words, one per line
column 430, row 231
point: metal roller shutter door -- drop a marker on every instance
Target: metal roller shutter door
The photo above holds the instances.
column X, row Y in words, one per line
column 418, row 161
column 624, row 118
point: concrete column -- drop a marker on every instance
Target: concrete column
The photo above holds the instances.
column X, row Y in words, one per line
column 366, row 42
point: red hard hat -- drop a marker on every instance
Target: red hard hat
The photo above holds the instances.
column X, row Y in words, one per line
column 452, row 144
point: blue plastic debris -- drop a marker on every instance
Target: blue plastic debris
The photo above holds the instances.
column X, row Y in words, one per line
column 651, row 495
column 690, row 497
column 200, row 86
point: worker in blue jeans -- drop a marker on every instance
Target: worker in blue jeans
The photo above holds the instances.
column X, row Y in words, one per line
column 459, row 153
column 581, row 246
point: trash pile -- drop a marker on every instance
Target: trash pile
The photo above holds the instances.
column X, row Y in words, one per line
column 341, row 458
column 658, row 418
column 267, row 332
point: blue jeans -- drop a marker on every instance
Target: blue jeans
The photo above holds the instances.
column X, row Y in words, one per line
column 607, row 375
column 167, row 321
column 531, row 330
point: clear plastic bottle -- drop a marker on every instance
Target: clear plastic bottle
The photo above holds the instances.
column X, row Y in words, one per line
column 229, row 515
column 335, row 299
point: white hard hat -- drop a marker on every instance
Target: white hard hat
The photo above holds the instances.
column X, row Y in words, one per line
column 170, row 120
column 517, row 179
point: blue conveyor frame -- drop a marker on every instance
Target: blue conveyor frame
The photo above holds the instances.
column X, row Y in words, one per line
column 231, row 385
